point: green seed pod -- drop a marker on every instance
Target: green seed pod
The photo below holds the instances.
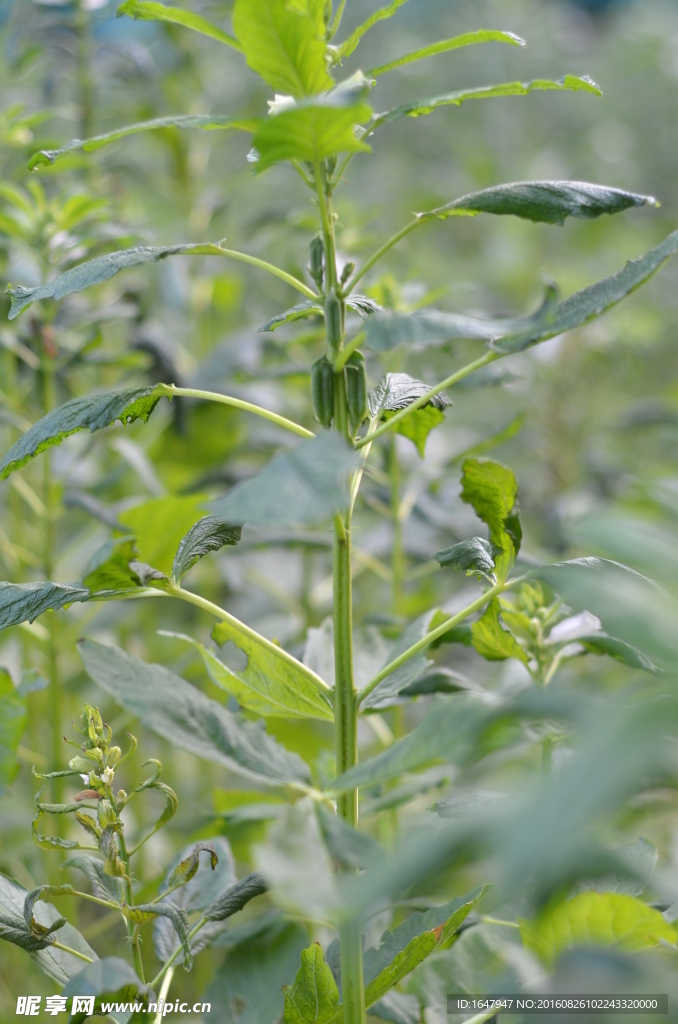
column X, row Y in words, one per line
column 316, row 265
column 334, row 319
column 322, row 390
column 356, row 389
column 346, row 272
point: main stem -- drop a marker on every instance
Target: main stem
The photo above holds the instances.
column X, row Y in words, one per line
column 345, row 708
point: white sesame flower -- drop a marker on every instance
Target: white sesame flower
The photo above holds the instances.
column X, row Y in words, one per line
column 107, row 776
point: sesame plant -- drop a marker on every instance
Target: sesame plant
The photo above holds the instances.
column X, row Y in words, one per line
column 318, row 863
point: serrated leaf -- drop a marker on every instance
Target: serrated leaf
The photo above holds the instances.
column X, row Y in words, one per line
column 101, row 269
column 475, row 555
column 299, row 312
column 47, row 157
column 314, row 997
column 271, row 684
column 388, row 691
column 236, row 897
column 303, row 486
column 13, row 721
column 24, row 602
column 492, row 640
column 398, row 391
column 103, row 885
column 142, row 913
column 492, row 490
column 419, row 424
column 417, row 108
column 114, row 568
column 209, row 534
column 34, row 927
column 596, row 919
column 445, row 45
column 349, row 45
column 544, row 202
column 283, row 45
column 160, row 524
column 592, row 302
column 310, row 133
column 601, row 643
column 181, row 714
column 150, row 10
column 108, row 980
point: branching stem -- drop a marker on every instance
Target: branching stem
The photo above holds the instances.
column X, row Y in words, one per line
column 270, row 268
column 171, row 391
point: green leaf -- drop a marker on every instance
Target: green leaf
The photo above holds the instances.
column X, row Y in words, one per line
column 544, row 202
column 601, row 643
column 488, row 443
column 13, row 722
column 388, row 329
column 398, row 1008
column 101, row 269
column 236, row 897
column 209, row 534
column 445, row 45
column 398, row 391
column 300, row 312
column 592, row 302
column 350, row 849
column 114, row 568
column 109, row 980
column 181, row 714
column 160, row 524
column 346, row 48
column 310, row 132
column 142, row 913
column 91, row 412
column 24, row 602
column 596, row 919
column 388, row 691
column 46, row 157
column 314, row 997
column 103, row 885
column 569, row 83
column 492, row 490
column 419, row 424
column 271, row 684
column 491, row 638
column 149, row 10
column 304, row 486
column 475, row 555
column 283, row 45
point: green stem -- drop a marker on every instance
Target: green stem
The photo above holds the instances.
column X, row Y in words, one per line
column 347, row 351
column 254, row 261
column 170, row 391
column 73, row 952
column 397, row 554
column 85, row 97
column 129, row 900
column 430, row 638
column 162, row 997
column 489, row 357
column 95, row 899
column 496, row 920
column 375, row 257
column 168, row 963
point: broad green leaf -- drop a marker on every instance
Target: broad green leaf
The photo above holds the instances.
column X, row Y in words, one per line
column 182, row 715
column 150, row 10
column 309, row 133
column 110, row 980
column 314, row 997
column 101, row 269
column 545, row 202
column 58, row 965
column 445, row 45
column 569, row 83
column 46, row 157
column 596, row 919
column 601, row 643
column 491, row 638
column 475, row 555
column 271, row 684
column 492, row 490
column 346, row 48
column 283, row 45
column 248, row 984
column 299, row 487
column 24, row 602
column 13, row 721
column 397, row 391
column 209, row 534
column 592, row 302
column 419, row 424
column 115, row 568
column 92, row 412
column 388, row 691
column 160, row 524
column 300, row 312
column 104, row 886
column 389, row 329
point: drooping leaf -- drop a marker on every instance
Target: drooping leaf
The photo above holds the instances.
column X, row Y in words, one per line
column 310, row 133
column 33, row 926
column 104, row 886
column 419, row 424
column 109, row 980
column 596, row 919
column 209, row 534
column 303, row 486
column 115, row 568
column 346, row 48
column 283, row 45
column 492, row 639
column 492, row 490
column 299, row 312
column 46, row 157
column 545, row 202
column 389, row 329
column 13, row 721
column 475, row 555
column 592, row 302
column 236, row 897
column 272, row 683
column 418, row 107
column 181, row 714
column 445, row 45
column 24, row 602
column 150, row 10
column 160, row 524
column 314, row 996
column 143, row 913
column 101, row 269
column 601, row 643
column 388, row 691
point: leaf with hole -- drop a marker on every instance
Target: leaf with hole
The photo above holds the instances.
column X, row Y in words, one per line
column 150, row 10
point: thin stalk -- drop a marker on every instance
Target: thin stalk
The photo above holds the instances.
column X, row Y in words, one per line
column 162, row 997
column 376, row 256
column 95, row 899
column 347, row 351
column 254, row 261
column 489, row 357
column 496, row 920
column 132, row 933
column 397, row 554
column 210, row 396
column 336, row 21
column 430, row 638
column 73, row 952
column 85, row 91
column 168, row 963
